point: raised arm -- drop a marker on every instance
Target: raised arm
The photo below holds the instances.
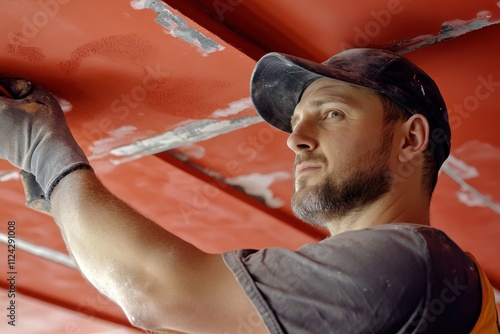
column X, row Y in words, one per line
column 160, row 281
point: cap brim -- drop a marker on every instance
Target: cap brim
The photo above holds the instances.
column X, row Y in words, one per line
column 279, row 80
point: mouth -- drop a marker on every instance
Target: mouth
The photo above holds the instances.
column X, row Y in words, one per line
column 306, row 167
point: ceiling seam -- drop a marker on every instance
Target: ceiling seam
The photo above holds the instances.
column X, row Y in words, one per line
column 449, row 30
column 178, row 27
column 183, row 135
column 41, row 251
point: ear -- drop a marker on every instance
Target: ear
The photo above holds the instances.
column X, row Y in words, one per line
column 415, row 137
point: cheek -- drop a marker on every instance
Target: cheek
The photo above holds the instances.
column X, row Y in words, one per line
column 340, row 154
column 354, row 154
column 348, row 148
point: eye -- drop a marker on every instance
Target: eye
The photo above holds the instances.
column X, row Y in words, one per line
column 332, row 114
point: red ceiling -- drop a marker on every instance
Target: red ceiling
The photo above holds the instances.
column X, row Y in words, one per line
column 169, row 128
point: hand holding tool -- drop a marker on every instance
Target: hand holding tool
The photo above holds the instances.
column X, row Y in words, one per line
column 34, row 137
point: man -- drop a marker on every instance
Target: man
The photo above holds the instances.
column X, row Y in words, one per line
column 370, row 132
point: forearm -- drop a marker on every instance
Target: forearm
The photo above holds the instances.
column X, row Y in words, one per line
column 116, row 248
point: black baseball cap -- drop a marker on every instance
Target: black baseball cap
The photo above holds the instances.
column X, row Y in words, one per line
column 279, row 80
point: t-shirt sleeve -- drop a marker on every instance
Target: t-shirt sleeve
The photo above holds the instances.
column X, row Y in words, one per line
column 368, row 281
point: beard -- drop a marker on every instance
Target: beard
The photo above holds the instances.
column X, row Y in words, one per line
column 361, row 183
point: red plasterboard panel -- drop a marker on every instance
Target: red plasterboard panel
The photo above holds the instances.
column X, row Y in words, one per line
column 119, row 70
column 194, row 209
column 321, row 28
column 34, row 316
column 465, row 70
column 30, row 225
column 253, row 152
column 60, row 285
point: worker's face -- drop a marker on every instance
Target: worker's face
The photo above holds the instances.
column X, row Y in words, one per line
column 342, row 151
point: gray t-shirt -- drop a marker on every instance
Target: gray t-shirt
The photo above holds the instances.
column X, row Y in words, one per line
column 395, row 278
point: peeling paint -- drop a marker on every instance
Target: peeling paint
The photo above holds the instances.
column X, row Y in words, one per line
column 191, row 151
column 9, row 175
column 459, row 171
column 233, row 108
column 66, row 106
column 257, row 185
column 460, row 168
column 122, row 131
column 449, row 29
column 177, row 26
column 44, row 252
column 138, row 4
column 185, row 135
column 470, row 199
column 479, row 151
column 101, row 147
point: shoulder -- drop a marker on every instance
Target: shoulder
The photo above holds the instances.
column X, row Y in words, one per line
column 399, row 233
column 407, row 275
column 423, row 244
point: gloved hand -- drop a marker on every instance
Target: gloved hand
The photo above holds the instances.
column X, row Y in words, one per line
column 34, row 135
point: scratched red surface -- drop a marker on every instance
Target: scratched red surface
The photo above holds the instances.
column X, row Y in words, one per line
column 95, row 55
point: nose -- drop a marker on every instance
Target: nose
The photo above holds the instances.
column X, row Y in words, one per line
column 302, row 138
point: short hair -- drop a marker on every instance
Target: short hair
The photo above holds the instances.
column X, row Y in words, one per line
column 394, row 112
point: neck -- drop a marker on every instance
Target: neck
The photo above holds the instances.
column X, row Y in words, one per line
column 394, row 207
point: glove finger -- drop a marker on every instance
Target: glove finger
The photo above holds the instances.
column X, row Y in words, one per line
column 43, row 96
column 36, row 101
column 17, row 88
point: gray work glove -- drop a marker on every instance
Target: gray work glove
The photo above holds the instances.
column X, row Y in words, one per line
column 34, row 135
